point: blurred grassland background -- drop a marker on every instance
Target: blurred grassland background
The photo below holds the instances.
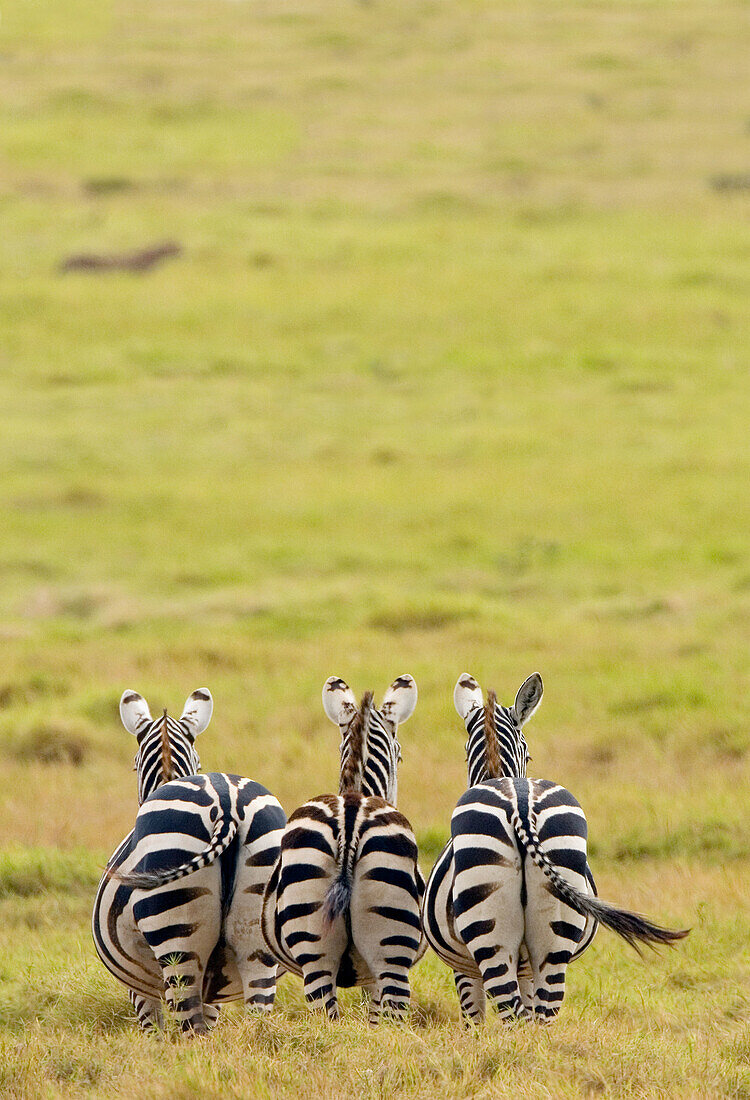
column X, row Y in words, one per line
column 451, row 375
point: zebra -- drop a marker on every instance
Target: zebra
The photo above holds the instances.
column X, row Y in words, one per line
column 511, row 899
column 342, row 904
column 197, row 943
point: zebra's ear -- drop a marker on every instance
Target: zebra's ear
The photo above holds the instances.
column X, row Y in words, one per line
column 339, row 701
column 134, row 712
column 400, row 700
column 198, row 710
column 528, row 699
column 467, row 695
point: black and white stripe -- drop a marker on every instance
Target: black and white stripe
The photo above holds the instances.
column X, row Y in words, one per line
column 511, row 900
column 193, row 941
column 342, row 905
column 166, row 748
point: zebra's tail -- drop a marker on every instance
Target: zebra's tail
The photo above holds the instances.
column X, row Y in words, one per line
column 631, row 926
column 149, row 880
column 338, row 898
column 339, row 894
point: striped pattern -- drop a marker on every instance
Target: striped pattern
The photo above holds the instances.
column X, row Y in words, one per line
column 165, row 751
column 495, row 744
column 177, row 913
column 511, row 900
column 342, row 905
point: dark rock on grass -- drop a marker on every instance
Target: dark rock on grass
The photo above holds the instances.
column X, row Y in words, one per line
column 139, row 261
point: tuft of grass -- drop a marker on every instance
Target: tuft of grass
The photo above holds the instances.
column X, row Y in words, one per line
column 52, row 744
column 421, row 619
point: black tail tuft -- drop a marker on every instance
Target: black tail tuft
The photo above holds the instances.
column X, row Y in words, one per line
column 337, row 900
column 631, row 926
column 141, row 880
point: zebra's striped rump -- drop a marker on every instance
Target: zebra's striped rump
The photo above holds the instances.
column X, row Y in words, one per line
column 193, row 927
column 519, row 934
column 511, row 900
column 177, row 912
column 342, row 905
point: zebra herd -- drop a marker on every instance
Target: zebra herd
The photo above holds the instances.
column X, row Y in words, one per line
column 214, row 894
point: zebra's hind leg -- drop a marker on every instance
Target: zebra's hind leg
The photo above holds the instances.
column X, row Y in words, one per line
column 526, row 978
column 500, row 979
column 552, row 934
column 471, row 998
column 320, row 988
column 211, row 1015
column 183, row 981
column 549, row 985
column 372, row 999
column 392, row 994
column 317, row 949
column 149, row 1012
column 258, row 973
column 489, row 917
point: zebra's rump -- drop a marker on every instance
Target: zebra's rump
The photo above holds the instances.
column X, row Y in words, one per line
column 118, row 939
column 491, row 819
column 485, row 851
column 491, row 829
column 361, row 846
column 223, row 897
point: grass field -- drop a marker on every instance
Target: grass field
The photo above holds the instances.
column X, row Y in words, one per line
column 451, row 375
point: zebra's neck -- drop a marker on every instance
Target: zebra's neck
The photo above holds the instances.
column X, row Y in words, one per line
column 370, row 754
column 496, row 746
column 165, row 751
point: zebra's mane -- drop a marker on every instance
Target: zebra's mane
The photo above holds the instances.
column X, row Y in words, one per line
column 166, row 750
column 352, row 766
column 491, row 747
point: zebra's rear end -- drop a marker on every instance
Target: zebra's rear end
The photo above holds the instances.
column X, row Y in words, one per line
column 385, row 907
column 247, row 957
column 194, row 937
column 159, row 941
column 342, row 906
column 520, row 934
column 118, row 941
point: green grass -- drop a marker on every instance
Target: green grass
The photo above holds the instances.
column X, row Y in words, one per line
column 450, row 376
